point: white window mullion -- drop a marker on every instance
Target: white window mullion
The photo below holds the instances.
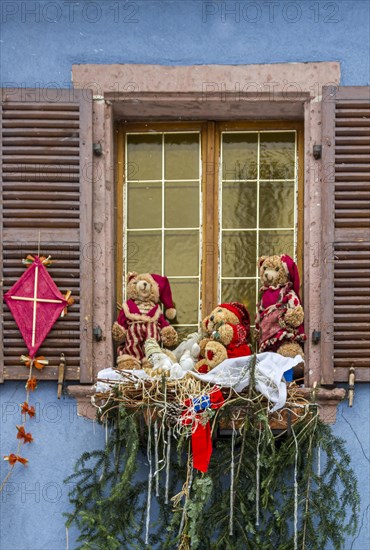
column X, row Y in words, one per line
column 296, row 160
column 258, row 213
column 163, row 205
column 125, row 200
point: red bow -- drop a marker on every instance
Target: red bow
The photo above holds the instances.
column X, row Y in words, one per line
column 201, row 440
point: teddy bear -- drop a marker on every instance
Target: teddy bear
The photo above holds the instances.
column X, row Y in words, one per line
column 226, row 334
column 279, row 319
column 159, row 362
column 171, row 363
column 141, row 318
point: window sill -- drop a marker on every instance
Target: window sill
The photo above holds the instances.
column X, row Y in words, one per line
column 328, row 401
column 83, row 394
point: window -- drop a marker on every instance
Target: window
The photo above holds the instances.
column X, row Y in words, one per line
column 205, row 224
column 336, row 198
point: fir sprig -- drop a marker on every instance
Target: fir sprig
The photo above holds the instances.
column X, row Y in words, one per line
column 109, row 497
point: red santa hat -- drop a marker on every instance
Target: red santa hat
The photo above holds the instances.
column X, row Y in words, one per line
column 292, row 270
column 240, row 311
column 165, row 295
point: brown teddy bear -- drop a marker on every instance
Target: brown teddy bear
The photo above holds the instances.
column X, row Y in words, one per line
column 226, row 332
column 279, row 319
column 141, row 318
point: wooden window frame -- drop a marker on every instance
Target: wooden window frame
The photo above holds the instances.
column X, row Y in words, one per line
column 288, row 91
column 152, row 126
column 211, row 132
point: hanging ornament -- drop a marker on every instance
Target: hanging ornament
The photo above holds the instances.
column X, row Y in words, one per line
column 35, row 303
column 156, row 458
column 201, row 440
column 150, row 480
column 168, row 460
column 258, row 467
column 232, row 479
column 295, row 520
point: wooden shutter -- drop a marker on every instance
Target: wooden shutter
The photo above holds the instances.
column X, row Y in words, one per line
column 46, row 188
column 346, row 233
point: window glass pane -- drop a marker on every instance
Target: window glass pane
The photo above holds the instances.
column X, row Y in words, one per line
column 239, row 156
column 239, row 205
column 144, row 251
column 240, row 291
column 276, row 242
column 181, row 253
column 265, row 203
column 144, row 157
column 277, row 150
column 181, row 156
column 276, row 204
column 185, row 294
column 181, row 204
column 154, row 202
column 144, row 205
column 238, row 254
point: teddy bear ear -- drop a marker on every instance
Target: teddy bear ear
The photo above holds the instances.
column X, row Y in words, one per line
column 261, row 260
column 131, row 275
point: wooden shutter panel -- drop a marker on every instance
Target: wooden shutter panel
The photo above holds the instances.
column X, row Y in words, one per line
column 46, row 188
column 346, row 233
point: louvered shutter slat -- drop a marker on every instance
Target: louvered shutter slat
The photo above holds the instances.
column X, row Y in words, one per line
column 46, row 185
column 346, row 234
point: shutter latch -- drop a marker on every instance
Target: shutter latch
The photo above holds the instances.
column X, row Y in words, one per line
column 61, row 373
column 98, row 333
column 97, row 149
column 317, row 151
column 351, row 386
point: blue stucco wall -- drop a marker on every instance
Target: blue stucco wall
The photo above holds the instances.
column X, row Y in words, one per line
column 35, row 497
column 40, row 40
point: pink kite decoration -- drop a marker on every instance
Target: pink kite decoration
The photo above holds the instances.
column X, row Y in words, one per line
column 35, row 303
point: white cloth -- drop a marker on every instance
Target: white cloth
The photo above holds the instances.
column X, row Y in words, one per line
column 234, row 373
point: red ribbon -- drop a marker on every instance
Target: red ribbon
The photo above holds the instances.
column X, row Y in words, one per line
column 201, row 440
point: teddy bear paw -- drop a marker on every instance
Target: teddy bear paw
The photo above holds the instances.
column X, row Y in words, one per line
column 127, row 362
column 215, row 353
column 226, row 334
column 202, row 367
column 118, row 333
column 294, row 317
column 290, row 349
column 169, row 336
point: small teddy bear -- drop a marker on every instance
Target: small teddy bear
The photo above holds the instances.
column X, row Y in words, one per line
column 279, row 319
column 141, row 318
column 227, row 331
column 158, row 362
